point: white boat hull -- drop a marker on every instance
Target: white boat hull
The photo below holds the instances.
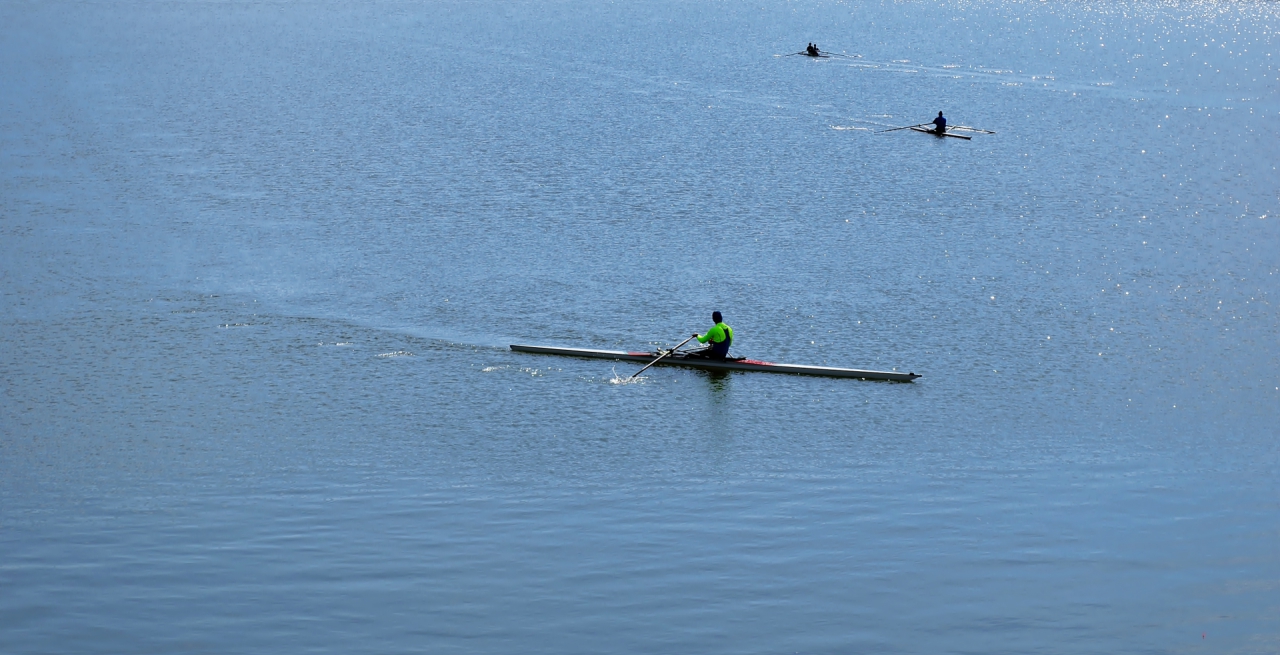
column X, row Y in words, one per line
column 717, row 365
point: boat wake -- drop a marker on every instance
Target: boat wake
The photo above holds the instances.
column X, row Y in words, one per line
column 533, row 372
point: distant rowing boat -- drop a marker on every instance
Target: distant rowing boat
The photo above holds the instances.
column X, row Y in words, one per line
column 821, row 54
column 935, row 133
column 679, row 359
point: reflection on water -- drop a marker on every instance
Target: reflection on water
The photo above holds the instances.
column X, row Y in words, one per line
column 718, row 383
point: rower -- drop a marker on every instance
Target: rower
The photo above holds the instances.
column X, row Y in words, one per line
column 940, row 124
column 720, row 336
column 812, row 50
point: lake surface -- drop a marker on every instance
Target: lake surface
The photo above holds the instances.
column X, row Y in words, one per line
column 260, row 263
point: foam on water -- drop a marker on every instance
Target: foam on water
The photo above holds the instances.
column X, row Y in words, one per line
column 630, row 379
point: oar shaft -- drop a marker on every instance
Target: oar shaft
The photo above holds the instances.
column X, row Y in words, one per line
column 646, row 367
column 904, row 127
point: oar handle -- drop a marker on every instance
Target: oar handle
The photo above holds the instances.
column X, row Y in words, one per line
column 646, row 367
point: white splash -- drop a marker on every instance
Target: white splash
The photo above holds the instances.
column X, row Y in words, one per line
column 618, row 379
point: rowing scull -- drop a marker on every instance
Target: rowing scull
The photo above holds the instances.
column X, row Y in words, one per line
column 679, row 359
column 935, row 133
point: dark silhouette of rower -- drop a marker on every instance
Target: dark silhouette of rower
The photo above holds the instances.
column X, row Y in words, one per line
column 812, row 50
column 940, row 125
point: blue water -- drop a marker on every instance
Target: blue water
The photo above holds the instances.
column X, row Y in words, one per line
column 260, row 263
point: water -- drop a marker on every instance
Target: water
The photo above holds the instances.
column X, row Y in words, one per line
column 260, row 262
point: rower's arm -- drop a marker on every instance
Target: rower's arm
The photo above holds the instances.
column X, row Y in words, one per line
column 710, row 333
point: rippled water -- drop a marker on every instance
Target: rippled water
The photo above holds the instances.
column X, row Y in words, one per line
column 260, row 263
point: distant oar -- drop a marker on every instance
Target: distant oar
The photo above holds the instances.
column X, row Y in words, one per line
column 682, row 343
column 971, row 129
column 904, row 127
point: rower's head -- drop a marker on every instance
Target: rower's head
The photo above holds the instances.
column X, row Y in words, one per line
column 716, row 317
column 939, row 114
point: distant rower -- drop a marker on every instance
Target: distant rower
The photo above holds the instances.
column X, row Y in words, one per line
column 812, row 50
column 720, row 336
column 940, row 124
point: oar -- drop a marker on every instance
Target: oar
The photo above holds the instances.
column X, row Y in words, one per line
column 971, row 129
column 904, row 127
column 682, row 343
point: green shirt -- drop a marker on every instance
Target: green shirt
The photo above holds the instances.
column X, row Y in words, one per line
column 717, row 333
